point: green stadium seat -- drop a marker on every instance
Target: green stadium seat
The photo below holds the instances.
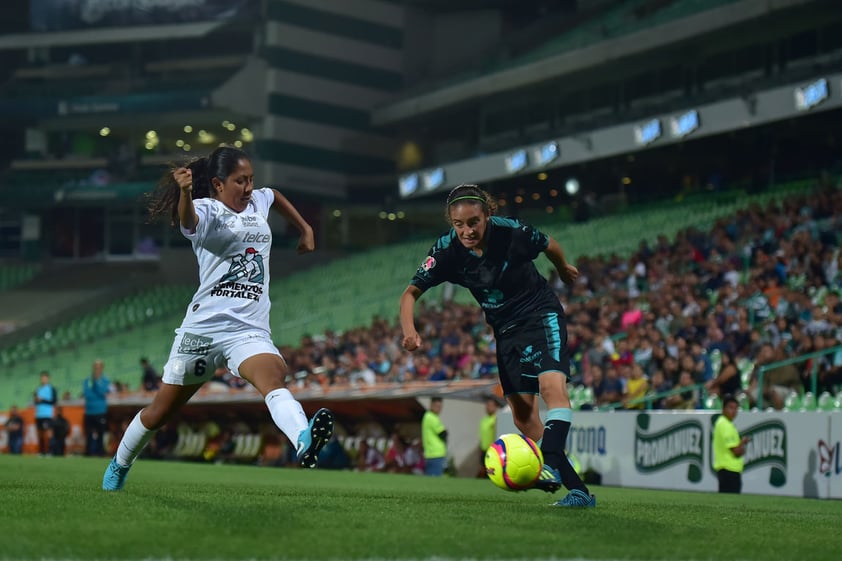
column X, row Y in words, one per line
column 792, row 402
column 713, row 403
column 826, row 402
column 808, row 402
column 716, row 361
column 745, row 367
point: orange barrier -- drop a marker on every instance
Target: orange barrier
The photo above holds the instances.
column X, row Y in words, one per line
column 74, row 443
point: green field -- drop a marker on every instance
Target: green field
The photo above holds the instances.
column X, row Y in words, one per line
column 53, row 508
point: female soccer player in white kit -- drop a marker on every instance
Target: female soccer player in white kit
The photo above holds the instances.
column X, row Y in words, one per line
column 227, row 323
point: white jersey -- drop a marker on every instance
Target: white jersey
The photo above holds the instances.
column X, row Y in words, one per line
column 233, row 254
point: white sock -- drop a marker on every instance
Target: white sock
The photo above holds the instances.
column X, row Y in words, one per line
column 134, row 441
column 287, row 413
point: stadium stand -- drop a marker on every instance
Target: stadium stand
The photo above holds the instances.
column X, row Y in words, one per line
column 341, row 296
column 12, row 275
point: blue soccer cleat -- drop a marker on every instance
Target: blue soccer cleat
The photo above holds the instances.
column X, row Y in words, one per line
column 115, row 476
column 577, row 499
column 549, row 480
column 314, row 437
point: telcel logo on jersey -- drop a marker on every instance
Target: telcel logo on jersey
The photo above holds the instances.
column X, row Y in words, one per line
column 249, row 237
column 767, row 446
column 676, row 444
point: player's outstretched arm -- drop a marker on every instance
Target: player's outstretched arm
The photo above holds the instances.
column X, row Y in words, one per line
column 555, row 254
column 307, row 241
column 411, row 338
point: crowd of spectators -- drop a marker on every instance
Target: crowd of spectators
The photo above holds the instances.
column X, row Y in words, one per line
column 759, row 286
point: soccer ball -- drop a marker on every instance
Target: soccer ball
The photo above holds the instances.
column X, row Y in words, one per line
column 513, row 462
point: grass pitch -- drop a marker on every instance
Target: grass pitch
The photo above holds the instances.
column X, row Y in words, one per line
column 53, row 508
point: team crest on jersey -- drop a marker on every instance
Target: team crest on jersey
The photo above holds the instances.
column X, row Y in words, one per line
column 248, row 266
column 428, row 263
column 244, row 278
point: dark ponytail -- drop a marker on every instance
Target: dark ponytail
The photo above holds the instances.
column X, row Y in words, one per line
column 219, row 164
column 471, row 194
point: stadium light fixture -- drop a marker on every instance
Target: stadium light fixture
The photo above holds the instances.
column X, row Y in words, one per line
column 546, row 153
column 648, row 132
column 571, row 186
column 433, row 179
column 684, row 124
column 516, row 161
column 811, row 95
column 408, row 184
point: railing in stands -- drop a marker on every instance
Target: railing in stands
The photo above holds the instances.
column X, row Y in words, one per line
column 814, row 373
column 651, row 398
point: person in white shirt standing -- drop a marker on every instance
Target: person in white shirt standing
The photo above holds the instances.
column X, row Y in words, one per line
column 214, row 202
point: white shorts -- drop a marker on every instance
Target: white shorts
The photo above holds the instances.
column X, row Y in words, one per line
column 194, row 357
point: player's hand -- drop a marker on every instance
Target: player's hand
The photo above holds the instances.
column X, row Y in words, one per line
column 307, row 242
column 184, row 177
column 411, row 341
column 569, row 274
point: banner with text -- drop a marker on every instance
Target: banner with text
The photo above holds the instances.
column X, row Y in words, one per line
column 790, row 453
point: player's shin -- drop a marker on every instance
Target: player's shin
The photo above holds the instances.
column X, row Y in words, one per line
column 287, row 413
column 134, row 440
column 556, row 428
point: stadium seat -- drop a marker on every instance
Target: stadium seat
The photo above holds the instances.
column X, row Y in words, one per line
column 746, row 367
column 826, row 402
column 792, row 402
column 808, row 402
column 713, row 403
column 716, row 361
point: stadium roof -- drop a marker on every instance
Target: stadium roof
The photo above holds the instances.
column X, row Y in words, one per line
column 521, row 73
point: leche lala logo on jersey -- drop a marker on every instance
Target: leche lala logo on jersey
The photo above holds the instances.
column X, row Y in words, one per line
column 192, row 344
column 680, row 443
